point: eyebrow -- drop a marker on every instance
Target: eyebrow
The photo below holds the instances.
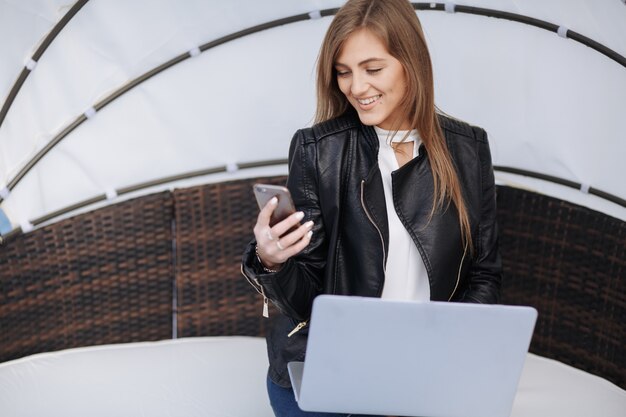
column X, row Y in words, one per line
column 367, row 61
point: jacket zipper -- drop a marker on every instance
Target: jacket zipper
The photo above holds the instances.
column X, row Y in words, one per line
column 304, row 323
column 298, row 328
column 367, row 213
column 458, row 275
column 266, row 313
column 259, row 288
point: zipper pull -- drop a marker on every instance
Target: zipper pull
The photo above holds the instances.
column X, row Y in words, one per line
column 266, row 310
column 297, row 328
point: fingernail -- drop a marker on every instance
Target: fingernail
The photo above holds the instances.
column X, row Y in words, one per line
column 309, row 224
column 310, row 233
column 299, row 215
column 274, row 201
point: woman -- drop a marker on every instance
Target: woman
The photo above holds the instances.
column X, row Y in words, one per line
column 394, row 200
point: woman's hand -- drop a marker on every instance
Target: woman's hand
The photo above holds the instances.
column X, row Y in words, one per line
column 272, row 247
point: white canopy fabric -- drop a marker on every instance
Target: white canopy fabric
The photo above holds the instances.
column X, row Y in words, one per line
column 550, row 105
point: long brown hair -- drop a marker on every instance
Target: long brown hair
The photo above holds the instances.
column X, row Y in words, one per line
column 397, row 26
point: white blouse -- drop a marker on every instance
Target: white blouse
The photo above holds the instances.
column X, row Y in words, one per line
column 405, row 275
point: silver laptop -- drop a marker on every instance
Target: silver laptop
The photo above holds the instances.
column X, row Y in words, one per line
column 373, row 356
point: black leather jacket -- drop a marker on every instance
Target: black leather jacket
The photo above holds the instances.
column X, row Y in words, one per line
column 335, row 180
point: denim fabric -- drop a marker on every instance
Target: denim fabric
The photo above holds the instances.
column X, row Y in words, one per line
column 284, row 403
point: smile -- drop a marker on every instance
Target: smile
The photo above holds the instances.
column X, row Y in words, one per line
column 370, row 100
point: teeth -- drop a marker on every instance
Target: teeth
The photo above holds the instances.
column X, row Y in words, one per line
column 370, row 100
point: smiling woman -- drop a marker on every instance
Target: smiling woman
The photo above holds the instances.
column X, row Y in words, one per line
column 373, row 81
column 392, row 199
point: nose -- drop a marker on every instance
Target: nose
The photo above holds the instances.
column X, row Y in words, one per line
column 359, row 85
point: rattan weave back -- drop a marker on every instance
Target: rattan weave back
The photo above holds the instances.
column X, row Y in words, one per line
column 213, row 225
column 100, row 277
column 568, row 262
column 108, row 276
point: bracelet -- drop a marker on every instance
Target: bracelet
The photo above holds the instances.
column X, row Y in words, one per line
column 258, row 258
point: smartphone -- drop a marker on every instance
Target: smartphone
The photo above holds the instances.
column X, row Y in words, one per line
column 285, row 207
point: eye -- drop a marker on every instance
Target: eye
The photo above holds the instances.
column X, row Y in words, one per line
column 373, row 70
column 342, row 73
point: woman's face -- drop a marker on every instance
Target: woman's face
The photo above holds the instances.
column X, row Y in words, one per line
column 372, row 80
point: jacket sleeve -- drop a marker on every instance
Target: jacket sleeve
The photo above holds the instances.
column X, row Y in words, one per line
column 485, row 272
column 293, row 288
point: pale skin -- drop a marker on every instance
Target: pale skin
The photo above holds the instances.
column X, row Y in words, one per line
column 270, row 240
column 374, row 83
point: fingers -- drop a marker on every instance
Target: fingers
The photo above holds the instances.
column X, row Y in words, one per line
column 291, row 244
column 262, row 226
column 293, row 239
column 274, row 248
column 265, row 214
column 287, row 224
column 279, row 250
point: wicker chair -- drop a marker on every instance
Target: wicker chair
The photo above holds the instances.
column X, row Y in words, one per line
column 109, row 276
column 569, row 263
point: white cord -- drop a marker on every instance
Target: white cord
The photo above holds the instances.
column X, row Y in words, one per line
column 232, row 167
column 26, row 226
column 585, row 188
column 90, row 112
column 31, row 64
column 110, row 193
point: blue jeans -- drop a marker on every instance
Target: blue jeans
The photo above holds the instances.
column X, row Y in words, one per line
column 284, row 403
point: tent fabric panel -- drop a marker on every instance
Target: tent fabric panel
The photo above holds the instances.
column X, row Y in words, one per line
column 543, row 110
column 538, row 119
column 88, row 59
column 188, row 118
column 24, row 23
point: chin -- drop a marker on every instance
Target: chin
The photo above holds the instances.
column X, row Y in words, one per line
column 369, row 120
